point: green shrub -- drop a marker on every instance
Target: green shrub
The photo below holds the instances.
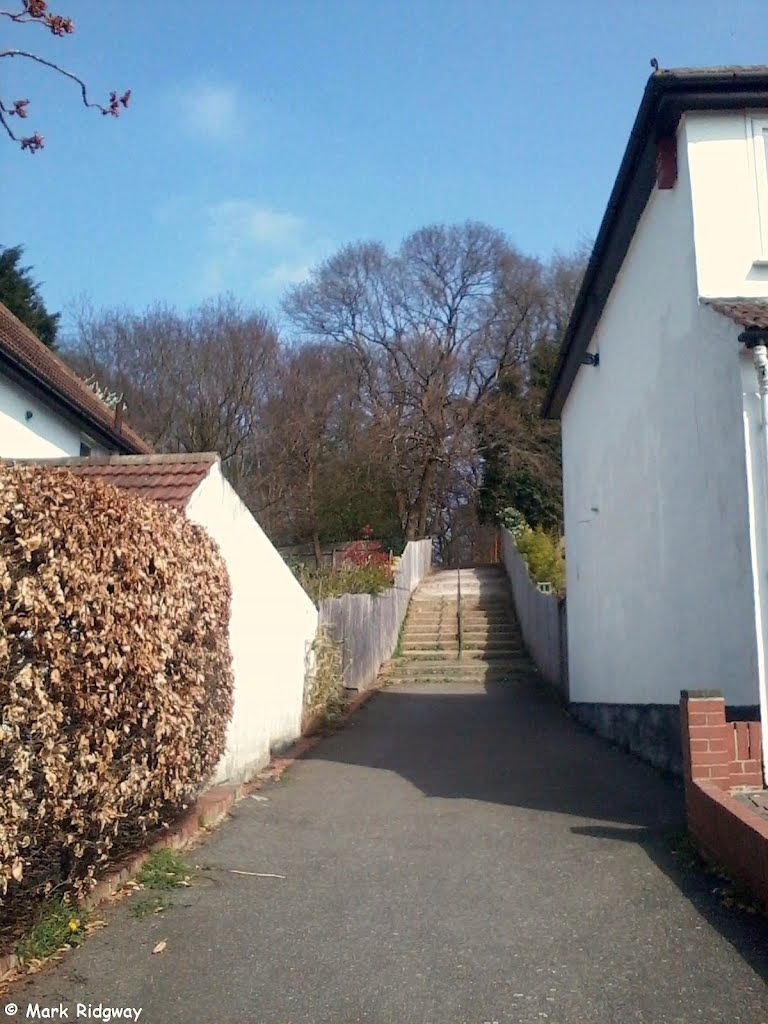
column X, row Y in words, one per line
column 513, row 520
column 357, row 579
column 544, row 556
column 115, row 678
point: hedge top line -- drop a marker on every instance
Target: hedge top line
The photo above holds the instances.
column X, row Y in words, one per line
column 171, row 479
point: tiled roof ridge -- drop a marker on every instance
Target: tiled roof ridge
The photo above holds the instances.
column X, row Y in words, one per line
column 150, row 459
column 747, row 312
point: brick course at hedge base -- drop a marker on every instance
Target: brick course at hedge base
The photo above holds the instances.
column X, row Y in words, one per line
column 721, row 759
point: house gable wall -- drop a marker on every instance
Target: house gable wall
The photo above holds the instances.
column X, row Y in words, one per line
column 43, row 435
column 655, row 496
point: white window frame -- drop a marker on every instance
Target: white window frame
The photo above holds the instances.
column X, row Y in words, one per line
column 758, row 127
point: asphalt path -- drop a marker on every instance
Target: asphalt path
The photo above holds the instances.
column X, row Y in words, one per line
column 459, row 854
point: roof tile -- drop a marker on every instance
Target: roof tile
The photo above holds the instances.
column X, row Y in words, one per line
column 170, row 479
column 747, row 313
column 24, row 349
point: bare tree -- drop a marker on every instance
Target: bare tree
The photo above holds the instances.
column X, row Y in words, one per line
column 431, row 327
column 36, row 12
column 191, row 383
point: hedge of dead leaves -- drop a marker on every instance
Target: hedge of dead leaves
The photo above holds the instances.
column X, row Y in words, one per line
column 115, row 676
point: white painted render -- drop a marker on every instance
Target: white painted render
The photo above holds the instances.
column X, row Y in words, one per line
column 656, row 511
column 272, row 627
column 42, row 435
column 729, row 186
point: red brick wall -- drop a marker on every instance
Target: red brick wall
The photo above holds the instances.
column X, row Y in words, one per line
column 727, row 753
column 721, row 758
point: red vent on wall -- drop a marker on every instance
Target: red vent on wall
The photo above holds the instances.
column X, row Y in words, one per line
column 666, row 162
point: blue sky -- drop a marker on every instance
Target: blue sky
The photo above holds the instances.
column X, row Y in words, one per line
column 263, row 134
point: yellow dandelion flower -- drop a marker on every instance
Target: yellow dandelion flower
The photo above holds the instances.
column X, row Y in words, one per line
column 74, row 925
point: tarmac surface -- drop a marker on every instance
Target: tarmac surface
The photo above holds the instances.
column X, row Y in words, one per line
column 459, row 854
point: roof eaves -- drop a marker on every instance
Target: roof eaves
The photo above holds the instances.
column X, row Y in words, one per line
column 125, row 439
column 667, row 95
column 28, row 362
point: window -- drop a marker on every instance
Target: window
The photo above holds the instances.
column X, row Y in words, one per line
column 760, row 156
column 85, row 450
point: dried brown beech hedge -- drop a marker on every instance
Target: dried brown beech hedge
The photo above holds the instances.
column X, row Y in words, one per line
column 115, row 676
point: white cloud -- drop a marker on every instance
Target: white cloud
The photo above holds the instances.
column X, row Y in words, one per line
column 242, row 222
column 211, row 112
column 287, row 273
column 254, row 249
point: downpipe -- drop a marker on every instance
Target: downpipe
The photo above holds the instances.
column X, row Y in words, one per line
column 756, row 341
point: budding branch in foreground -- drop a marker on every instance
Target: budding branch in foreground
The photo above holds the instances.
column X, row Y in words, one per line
column 36, row 12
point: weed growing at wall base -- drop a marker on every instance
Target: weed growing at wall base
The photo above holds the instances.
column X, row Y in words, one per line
column 59, row 925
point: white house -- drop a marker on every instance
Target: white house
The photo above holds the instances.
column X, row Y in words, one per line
column 46, row 410
column 273, row 622
column 664, row 442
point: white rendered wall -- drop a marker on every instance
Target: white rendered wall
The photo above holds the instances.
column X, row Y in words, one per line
column 272, row 627
column 724, row 187
column 45, row 435
column 657, row 534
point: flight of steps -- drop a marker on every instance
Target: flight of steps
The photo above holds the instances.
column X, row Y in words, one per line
column 491, row 643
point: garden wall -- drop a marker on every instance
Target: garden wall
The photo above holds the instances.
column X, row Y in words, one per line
column 271, row 630
column 723, row 759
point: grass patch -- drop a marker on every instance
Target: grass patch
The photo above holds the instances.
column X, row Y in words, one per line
column 164, row 869
column 59, row 925
column 148, row 905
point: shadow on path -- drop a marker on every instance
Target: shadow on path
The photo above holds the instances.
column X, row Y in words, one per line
column 511, row 744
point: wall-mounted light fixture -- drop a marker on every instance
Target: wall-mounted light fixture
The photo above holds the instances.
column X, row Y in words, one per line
column 590, row 359
column 28, row 414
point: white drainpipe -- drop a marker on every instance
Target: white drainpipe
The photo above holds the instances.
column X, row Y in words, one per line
column 756, row 342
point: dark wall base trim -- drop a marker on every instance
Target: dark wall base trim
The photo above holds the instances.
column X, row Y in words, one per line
column 651, row 731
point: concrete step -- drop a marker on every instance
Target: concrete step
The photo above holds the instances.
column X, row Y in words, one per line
column 514, row 642
column 461, row 673
column 446, row 654
column 512, row 637
column 426, row 644
column 428, row 654
column 487, row 616
column 469, row 616
column 420, row 634
column 484, row 626
column 430, row 648
column 415, row 665
column 450, row 622
column 492, row 654
column 467, row 604
column 412, row 634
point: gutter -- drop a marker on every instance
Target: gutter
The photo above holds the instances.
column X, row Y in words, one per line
column 22, row 375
